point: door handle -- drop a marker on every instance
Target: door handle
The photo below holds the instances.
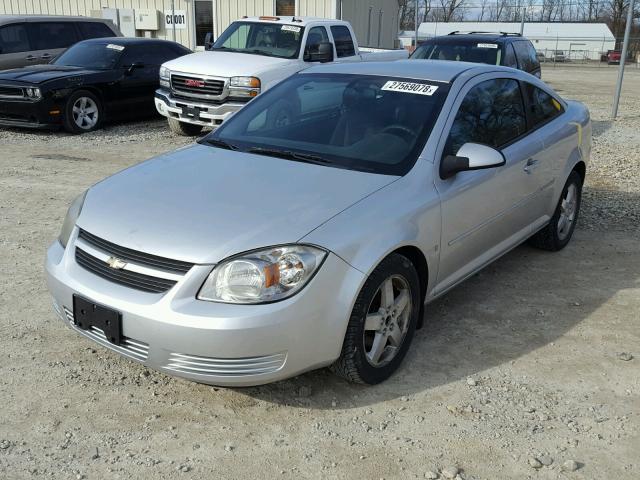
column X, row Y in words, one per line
column 46, row 56
column 531, row 164
column 30, row 58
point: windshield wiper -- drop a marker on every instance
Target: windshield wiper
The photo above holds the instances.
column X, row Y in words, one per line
column 214, row 142
column 262, row 52
column 289, row 155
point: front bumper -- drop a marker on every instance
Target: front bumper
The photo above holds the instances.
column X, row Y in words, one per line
column 208, row 114
column 215, row 343
column 30, row 114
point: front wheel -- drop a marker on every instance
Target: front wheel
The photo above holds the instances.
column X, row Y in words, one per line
column 557, row 234
column 382, row 323
column 83, row 112
column 184, row 129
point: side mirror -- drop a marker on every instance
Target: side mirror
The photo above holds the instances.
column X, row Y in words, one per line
column 208, row 41
column 323, row 53
column 471, row 156
column 134, row 66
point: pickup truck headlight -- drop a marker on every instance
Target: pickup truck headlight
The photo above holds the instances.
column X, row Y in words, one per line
column 165, row 74
column 33, row 92
column 262, row 276
column 244, row 87
column 70, row 220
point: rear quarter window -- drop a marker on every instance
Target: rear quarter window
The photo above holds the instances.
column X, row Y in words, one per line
column 542, row 106
column 527, row 57
column 94, row 30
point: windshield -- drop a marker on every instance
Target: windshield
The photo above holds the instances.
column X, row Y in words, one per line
column 270, row 39
column 99, row 56
column 367, row 123
column 476, row 52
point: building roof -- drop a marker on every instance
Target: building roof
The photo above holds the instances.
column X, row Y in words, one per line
column 434, row 70
column 533, row 30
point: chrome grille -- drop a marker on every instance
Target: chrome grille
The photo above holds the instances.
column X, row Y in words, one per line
column 139, row 258
column 193, row 364
column 11, row 92
column 136, row 280
column 134, row 349
column 200, row 87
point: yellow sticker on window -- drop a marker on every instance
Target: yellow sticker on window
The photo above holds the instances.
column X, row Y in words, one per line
column 556, row 104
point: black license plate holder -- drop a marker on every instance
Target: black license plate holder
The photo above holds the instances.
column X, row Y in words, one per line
column 191, row 112
column 87, row 314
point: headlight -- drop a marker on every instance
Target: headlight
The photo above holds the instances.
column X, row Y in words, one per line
column 33, row 93
column 244, row 87
column 70, row 220
column 262, row 276
column 164, row 77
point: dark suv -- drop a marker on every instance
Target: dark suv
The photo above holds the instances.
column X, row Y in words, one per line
column 507, row 49
column 33, row 39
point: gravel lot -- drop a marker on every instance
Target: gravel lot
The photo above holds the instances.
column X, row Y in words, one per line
column 530, row 369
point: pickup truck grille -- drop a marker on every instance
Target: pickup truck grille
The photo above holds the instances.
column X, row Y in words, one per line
column 196, row 86
column 11, row 92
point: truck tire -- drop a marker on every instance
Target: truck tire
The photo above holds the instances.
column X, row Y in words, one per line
column 183, row 128
column 385, row 314
column 83, row 112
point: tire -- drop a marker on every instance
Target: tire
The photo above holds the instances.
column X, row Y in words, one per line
column 357, row 360
column 183, row 128
column 553, row 237
column 83, row 112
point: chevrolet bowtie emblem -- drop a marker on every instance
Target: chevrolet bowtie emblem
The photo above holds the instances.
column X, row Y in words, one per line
column 116, row 263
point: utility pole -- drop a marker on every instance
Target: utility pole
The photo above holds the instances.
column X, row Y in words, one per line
column 416, row 24
column 623, row 58
column 524, row 11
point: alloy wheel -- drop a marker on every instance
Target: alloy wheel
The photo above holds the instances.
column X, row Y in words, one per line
column 85, row 113
column 387, row 320
column 568, row 208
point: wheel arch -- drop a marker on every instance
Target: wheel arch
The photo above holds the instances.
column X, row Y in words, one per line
column 419, row 261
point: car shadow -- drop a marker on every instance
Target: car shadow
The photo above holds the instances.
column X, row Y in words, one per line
column 522, row 302
column 600, row 127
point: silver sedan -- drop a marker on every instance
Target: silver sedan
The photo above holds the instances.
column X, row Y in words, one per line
column 311, row 228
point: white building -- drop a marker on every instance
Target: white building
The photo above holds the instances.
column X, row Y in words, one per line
column 375, row 21
column 577, row 40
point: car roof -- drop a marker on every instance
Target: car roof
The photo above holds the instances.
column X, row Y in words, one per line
column 434, row 70
column 496, row 37
column 6, row 19
column 124, row 41
column 292, row 20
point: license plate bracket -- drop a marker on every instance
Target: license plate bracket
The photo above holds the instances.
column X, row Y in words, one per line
column 191, row 112
column 87, row 314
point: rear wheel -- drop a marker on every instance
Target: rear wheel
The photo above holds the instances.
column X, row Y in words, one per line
column 183, row 128
column 83, row 112
column 557, row 234
column 382, row 323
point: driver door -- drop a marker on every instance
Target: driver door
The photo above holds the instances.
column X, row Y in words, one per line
column 484, row 212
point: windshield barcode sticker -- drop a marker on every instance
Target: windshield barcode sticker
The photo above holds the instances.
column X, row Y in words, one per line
column 115, row 47
column 487, row 45
column 290, row 28
column 409, row 87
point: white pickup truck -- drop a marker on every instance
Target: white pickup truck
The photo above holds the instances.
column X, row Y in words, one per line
column 252, row 54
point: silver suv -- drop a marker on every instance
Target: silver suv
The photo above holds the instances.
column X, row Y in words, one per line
column 32, row 39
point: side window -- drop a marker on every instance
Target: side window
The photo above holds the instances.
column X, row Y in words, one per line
column 542, row 106
column 526, row 56
column 14, row 39
column 509, row 57
column 344, row 42
column 50, row 35
column 492, row 113
column 316, row 36
column 94, row 30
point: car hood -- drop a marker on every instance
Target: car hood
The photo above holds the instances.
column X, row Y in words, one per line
column 41, row 73
column 225, row 64
column 201, row 204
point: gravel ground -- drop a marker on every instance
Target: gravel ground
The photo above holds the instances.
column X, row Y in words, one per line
column 528, row 370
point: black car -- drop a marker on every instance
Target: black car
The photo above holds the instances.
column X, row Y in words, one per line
column 91, row 81
column 507, row 49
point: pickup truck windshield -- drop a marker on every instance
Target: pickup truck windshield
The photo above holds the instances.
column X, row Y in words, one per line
column 475, row 52
column 259, row 38
column 102, row 56
column 368, row 123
